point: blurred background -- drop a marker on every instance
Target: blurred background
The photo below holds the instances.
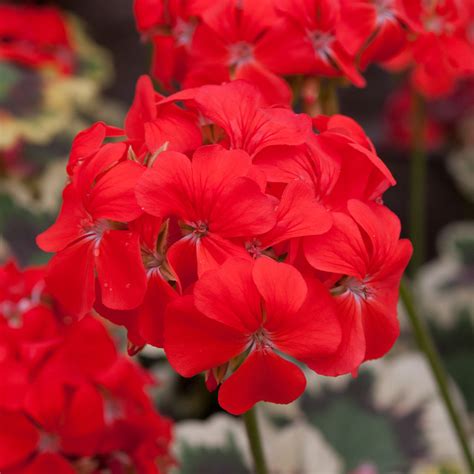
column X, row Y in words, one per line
column 393, row 402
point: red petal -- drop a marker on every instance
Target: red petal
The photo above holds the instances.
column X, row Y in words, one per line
column 263, row 376
column 113, row 197
column 282, row 288
column 143, row 109
column 273, row 88
column 341, row 250
column 298, row 215
column 49, row 462
column 167, row 187
column 70, row 277
column 18, row 438
column 85, row 413
column 229, row 295
column 194, row 343
column 120, row 270
column 351, row 351
column 67, row 227
column 241, row 209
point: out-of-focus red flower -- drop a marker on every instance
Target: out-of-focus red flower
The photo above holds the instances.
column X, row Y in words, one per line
column 66, row 396
column 398, row 126
column 310, row 41
column 242, row 313
column 441, row 49
column 23, row 42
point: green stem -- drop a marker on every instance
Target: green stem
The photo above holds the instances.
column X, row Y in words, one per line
column 253, row 434
column 418, row 172
column 426, row 344
column 328, row 96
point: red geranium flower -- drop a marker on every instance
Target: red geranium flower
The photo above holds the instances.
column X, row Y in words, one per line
column 89, row 235
column 23, row 42
column 248, row 311
column 214, row 199
column 364, row 252
column 311, row 41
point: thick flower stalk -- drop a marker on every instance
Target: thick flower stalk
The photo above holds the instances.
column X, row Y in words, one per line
column 69, row 402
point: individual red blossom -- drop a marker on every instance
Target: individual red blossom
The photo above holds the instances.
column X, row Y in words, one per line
column 170, row 25
column 234, row 40
column 23, row 42
column 375, row 29
column 363, row 249
column 77, row 404
column 244, row 312
column 215, row 201
column 441, row 51
column 145, row 323
column 312, row 35
column 90, row 235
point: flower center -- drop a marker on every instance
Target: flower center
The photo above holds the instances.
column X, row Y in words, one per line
column 260, row 339
column 254, row 248
column 384, row 10
column 358, row 288
column 240, row 53
column 321, row 42
column 183, row 32
column 48, row 442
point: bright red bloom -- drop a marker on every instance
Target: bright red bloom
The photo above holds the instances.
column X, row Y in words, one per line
column 170, row 25
column 373, row 28
column 234, row 41
column 23, row 42
column 364, row 251
column 66, row 396
column 213, row 198
column 442, row 49
column 89, row 236
column 311, row 35
column 250, row 310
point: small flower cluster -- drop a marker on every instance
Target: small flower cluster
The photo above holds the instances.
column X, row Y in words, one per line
column 68, row 401
column 236, row 236
column 264, row 41
column 23, row 42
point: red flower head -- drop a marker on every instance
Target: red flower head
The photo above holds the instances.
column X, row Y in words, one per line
column 442, row 49
column 243, row 313
column 90, row 235
column 215, row 201
column 314, row 40
column 170, row 25
column 67, row 398
column 235, row 41
column 24, row 42
column 367, row 260
column 374, row 29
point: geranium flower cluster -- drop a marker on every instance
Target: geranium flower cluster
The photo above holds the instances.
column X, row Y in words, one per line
column 69, row 402
column 239, row 237
column 200, row 42
column 22, row 42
